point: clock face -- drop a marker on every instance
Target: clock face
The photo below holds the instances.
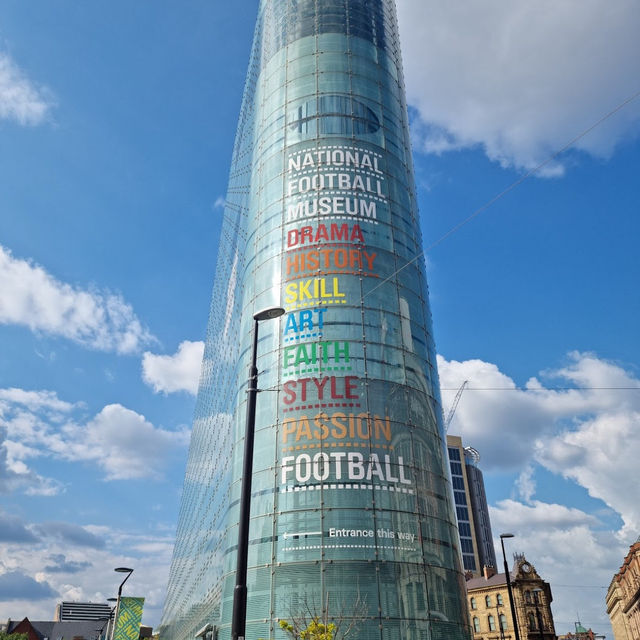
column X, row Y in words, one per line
column 526, row 567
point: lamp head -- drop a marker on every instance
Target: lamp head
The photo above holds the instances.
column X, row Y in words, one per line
column 123, row 570
column 507, row 535
column 269, row 313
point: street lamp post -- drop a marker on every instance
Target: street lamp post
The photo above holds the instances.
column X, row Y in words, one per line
column 509, row 589
column 111, row 619
column 239, row 614
column 128, row 572
column 101, row 630
column 123, row 570
column 536, row 599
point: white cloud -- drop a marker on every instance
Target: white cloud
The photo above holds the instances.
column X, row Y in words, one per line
column 179, row 372
column 122, row 442
column 15, row 475
column 526, row 484
column 61, row 563
column 588, row 433
column 520, row 79
column 504, row 422
column 119, row 441
column 601, row 455
column 511, row 515
column 569, row 550
column 31, row 297
column 34, row 400
column 20, row 99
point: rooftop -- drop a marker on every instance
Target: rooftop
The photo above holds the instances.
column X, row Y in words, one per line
column 494, row 581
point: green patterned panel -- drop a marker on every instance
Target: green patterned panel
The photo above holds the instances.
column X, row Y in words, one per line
column 129, row 619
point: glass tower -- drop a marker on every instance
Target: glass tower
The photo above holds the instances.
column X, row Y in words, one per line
column 465, row 514
column 472, row 510
column 351, row 510
column 480, row 509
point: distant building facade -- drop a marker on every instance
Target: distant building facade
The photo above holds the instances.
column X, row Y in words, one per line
column 490, row 610
column 580, row 634
column 464, row 510
column 623, row 597
column 82, row 611
column 81, row 629
column 472, row 510
column 56, row 630
column 480, row 508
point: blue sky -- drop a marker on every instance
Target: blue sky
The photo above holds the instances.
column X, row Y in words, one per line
column 116, row 129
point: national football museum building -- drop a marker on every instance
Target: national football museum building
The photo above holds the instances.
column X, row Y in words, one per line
column 351, row 517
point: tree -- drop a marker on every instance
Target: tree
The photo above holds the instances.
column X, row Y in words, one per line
column 315, row 631
column 318, row 623
column 13, row 636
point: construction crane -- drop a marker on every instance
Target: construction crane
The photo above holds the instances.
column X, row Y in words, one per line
column 454, row 406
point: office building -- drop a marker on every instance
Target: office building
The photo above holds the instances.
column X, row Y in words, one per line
column 472, row 510
column 82, row 611
column 351, row 510
column 480, row 508
column 463, row 506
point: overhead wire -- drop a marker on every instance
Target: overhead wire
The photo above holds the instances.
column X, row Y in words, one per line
column 580, row 586
column 277, row 388
column 544, row 389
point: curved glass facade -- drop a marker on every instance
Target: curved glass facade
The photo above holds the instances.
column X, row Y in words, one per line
column 351, row 498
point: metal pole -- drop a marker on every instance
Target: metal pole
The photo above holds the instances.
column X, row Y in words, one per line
column 111, row 620
column 239, row 614
column 128, row 572
column 510, row 591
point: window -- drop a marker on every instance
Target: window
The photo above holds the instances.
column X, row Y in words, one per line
column 492, row 623
column 460, row 498
column 532, row 622
column 476, row 625
column 503, row 622
column 466, row 545
column 487, row 601
column 333, row 114
column 473, row 604
column 462, row 513
column 527, row 596
column 499, row 599
column 420, row 596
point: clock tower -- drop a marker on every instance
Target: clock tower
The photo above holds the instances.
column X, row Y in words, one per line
column 491, row 617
